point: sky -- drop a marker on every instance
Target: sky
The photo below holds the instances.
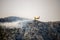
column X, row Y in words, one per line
column 48, row 10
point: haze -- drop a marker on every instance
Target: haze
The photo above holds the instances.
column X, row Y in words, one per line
column 48, row 10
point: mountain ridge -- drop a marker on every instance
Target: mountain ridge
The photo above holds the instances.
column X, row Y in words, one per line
column 11, row 19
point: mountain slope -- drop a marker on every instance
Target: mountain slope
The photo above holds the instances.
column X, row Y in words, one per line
column 32, row 30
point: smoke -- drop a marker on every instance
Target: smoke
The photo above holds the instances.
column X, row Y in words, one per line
column 15, row 24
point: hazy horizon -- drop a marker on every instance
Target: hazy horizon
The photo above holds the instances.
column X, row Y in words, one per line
column 48, row 10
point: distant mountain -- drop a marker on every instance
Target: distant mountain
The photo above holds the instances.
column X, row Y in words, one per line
column 11, row 19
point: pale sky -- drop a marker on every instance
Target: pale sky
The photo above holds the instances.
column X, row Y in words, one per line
column 48, row 10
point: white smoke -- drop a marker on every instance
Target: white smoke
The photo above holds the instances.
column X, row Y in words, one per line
column 16, row 24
